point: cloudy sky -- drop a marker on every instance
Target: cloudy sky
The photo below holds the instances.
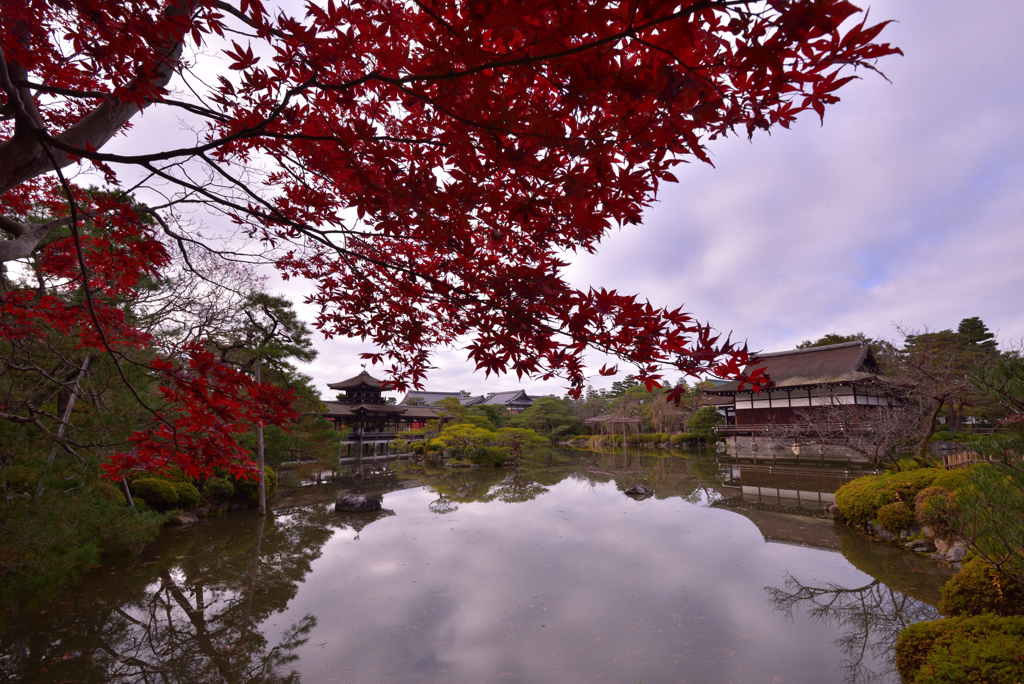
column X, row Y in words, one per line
column 906, row 207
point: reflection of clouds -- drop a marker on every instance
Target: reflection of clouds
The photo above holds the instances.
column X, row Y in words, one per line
column 613, row 583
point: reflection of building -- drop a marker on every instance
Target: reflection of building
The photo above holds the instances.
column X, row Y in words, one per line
column 365, row 412
column 837, row 374
column 516, row 401
column 787, row 504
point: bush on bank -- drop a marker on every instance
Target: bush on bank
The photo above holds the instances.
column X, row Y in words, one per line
column 982, row 649
column 977, row 589
column 860, row 500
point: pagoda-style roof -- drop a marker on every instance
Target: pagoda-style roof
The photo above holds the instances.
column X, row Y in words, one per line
column 834, row 364
column 364, row 379
column 337, row 408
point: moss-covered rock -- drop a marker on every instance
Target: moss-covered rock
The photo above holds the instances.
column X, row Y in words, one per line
column 977, row 589
column 896, row 516
column 159, row 494
column 984, row 649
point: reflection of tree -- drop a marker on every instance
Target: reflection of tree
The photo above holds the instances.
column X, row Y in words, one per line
column 192, row 614
column 871, row 618
column 517, row 487
column 466, row 485
column 441, row 505
column 511, row 485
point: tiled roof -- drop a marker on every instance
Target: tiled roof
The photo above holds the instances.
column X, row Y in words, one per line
column 848, row 362
column 363, row 378
column 431, row 398
column 506, row 398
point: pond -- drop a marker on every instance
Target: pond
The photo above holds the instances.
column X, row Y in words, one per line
column 548, row 573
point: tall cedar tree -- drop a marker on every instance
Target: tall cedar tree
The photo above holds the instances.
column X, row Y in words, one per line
column 426, row 164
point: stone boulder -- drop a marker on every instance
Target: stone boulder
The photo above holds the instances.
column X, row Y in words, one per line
column 921, row 546
column 957, row 553
column 357, row 503
column 184, row 519
column 640, row 492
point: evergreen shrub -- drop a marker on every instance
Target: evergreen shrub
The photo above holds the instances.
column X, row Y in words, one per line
column 418, row 448
column 896, row 516
column 248, row 491
column 159, row 494
column 932, row 504
column 951, row 479
column 488, row 456
column 978, row 589
column 188, row 495
column 218, row 489
column 984, row 649
column 856, row 499
column 942, row 436
column 860, row 500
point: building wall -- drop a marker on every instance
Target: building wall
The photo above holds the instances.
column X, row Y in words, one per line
column 758, row 416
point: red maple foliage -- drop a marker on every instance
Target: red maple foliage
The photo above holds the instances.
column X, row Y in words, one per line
column 429, row 164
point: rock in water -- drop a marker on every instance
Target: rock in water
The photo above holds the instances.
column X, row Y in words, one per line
column 640, row 491
column 184, row 519
column 357, row 503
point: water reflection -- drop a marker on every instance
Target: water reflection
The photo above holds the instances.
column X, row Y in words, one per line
column 869, row 619
column 543, row 573
column 189, row 613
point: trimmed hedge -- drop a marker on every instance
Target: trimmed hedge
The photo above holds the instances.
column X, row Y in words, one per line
column 932, row 504
column 488, row 456
column 896, row 516
column 985, row 649
column 951, row 479
column 188, row 496
column 219, row 489
column 860, row 500
column 683, row 437
column 977, row 589
column 159, row 494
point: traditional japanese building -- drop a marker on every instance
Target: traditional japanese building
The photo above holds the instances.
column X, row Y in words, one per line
column 516, row 401
column 364, row 411
column 837, row 374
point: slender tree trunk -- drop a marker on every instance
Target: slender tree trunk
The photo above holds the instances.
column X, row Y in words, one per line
column 259, row 455
column 927, row 427
column 127, row 493
column 63, row 424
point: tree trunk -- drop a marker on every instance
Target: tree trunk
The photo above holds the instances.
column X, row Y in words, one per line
column 127, row 493
column 259, row 455
column 927, row 427
column 64, row 424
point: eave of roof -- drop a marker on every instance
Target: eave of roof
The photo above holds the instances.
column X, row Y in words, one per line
column 810, row 367
column 364, row 379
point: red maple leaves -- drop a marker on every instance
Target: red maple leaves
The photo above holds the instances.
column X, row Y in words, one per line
column 432, row 165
